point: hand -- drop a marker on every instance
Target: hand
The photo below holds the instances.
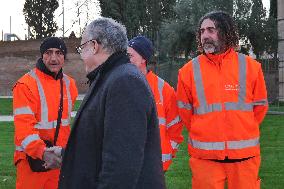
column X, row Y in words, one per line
column 52, row 161
column 57, row 150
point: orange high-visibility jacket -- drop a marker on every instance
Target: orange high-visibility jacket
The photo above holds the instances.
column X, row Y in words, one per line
column 169, row 120
column 36, row 98
column 222, row 105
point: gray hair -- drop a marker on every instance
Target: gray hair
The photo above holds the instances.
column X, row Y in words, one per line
column 109, row 33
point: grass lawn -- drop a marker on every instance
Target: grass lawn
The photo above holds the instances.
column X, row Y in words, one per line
column 77, row 105
column 279, row 108
column 178, row 177
column 7, row 168
column 6, row 106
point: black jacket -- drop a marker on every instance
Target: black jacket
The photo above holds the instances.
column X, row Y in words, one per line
column 115, row 140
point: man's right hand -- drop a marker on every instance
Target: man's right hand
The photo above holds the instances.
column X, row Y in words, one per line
column 52, row 161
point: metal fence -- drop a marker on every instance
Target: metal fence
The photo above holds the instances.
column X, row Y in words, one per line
column 271, row 74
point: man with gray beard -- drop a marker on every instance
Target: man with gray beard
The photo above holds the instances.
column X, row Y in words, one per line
column 115, row 140
column 222, row 100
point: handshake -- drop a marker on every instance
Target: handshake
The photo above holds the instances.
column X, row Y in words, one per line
column 53, row 157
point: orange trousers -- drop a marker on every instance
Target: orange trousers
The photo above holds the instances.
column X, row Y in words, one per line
column 27, row 179
column 208, row 174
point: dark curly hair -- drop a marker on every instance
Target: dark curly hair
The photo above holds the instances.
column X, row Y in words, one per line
column 227, row 29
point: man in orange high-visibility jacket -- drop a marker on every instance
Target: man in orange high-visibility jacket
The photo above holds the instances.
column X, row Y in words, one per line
column 140, row 50
column 222, row 101
column 36, row 100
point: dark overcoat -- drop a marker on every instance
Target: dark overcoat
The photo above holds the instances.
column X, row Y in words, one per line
column 115, row 141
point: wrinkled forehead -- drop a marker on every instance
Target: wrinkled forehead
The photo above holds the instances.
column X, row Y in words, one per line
column 207, row 23
column 53, row 50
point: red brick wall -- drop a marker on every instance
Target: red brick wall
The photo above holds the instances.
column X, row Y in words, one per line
column 18, row 57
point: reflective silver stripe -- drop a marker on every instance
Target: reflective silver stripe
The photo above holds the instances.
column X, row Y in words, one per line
column 173, row 122
column 241, row 105
column 23, row 110
column 242, row 78
column 67, row 82
column 162, row 121
column 203, row 106
column 216, row 107
column 29, row 139
column 65, row 122
column 43, row 103
column 51, row 124
column 174, row 144
column 160, row 88
column 166, row 157
column 238, row 106
column 221, row 145
column 206, row 145
column 243, row 143
column 19, row 148
column 199, row 84
column 260, row 102
column 45, row 124
column 184, row 105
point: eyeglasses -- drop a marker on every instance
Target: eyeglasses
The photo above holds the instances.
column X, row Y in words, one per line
column 129, row 55
column 80, row 48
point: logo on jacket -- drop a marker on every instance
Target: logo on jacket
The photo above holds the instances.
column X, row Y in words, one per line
column 231, row 87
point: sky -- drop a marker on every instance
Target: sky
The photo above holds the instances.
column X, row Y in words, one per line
column 14, row 9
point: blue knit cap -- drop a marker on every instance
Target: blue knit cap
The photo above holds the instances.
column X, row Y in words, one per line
column 142, row 46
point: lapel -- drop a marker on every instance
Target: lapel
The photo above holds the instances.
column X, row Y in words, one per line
column 86, row 98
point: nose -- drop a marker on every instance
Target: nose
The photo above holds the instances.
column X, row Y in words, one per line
column 53, row 56
column 205, row 34
column 205, row 37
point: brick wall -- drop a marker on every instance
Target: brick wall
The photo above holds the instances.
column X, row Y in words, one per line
column 18, row 57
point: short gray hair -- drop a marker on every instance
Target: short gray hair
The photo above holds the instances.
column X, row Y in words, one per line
column 109, row 33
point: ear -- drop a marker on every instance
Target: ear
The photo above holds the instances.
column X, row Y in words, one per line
column 144, row 62
column 96, row 46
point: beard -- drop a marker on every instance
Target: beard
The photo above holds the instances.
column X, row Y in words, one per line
column 211, row 47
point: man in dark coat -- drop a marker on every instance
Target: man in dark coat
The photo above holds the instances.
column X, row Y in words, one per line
column 115, row 142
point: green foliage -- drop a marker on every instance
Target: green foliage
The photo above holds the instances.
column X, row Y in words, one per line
column 178, row 33
column 139, row 17
column 273, row 9
column 172, row 24
column 242, row 14
column 255, row 29
column 39, row 15
column 271, row 32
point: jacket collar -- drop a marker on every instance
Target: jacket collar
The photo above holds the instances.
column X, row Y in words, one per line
column 41, row 66
column 218, row 58
column 113, row 61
